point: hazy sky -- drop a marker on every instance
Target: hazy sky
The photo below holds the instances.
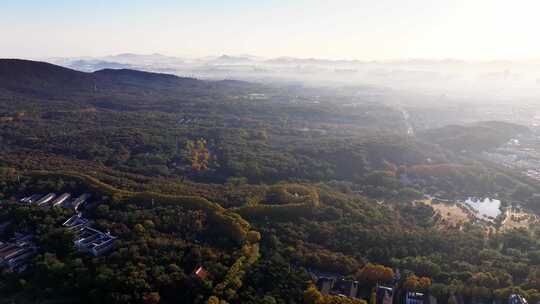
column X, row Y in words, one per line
column 360, row 29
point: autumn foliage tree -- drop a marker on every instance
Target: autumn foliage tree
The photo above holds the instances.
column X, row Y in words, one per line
column 374, row 273
column 414, row 283
column 198, row 155
column 313, row 296
column 151, row 298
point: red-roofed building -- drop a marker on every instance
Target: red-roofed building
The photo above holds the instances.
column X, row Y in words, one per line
column 201, row 273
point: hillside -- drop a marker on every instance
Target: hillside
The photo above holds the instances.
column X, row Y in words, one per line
column 43, row 79
column 149, row 117
column 474, row 137
column 40, row 79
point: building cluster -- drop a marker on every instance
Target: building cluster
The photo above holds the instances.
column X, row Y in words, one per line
column 332, row 284
column 65, row 200
column 329, row 284
column 338, row 286
column 17, row 252
column 88, row 239
column 522, row 154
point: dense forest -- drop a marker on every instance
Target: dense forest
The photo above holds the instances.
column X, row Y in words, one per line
column 260, row 193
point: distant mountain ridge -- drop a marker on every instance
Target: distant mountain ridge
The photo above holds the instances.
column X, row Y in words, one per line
column 150, row 58
column 85, row 65
column 247, row 59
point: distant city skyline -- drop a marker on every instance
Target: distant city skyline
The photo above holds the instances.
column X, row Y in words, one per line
column 342, row 29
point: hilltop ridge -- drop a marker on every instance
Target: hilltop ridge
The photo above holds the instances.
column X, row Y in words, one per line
column 49, row 80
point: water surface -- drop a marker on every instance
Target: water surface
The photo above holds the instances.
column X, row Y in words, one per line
column 486, row 208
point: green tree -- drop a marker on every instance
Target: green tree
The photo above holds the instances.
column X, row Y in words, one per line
column 312, row 296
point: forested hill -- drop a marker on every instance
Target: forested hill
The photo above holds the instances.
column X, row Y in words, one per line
column 44, row 80
column 40, row 78
column 473, row 137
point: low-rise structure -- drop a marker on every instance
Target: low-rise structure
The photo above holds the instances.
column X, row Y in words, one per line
column 16, row 253
column 414, row 298
column 76, row 221
column 94, row 241
column 88, row 239
column 335, row 286
column 44, row 200
column 31, row 199
column 516, row 299
column 348, row 288
column 79, row 201
column 60, row 200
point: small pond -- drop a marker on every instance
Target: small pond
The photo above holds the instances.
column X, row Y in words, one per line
column 485, row 207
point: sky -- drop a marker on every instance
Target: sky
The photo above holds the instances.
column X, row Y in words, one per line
column 344, row 29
